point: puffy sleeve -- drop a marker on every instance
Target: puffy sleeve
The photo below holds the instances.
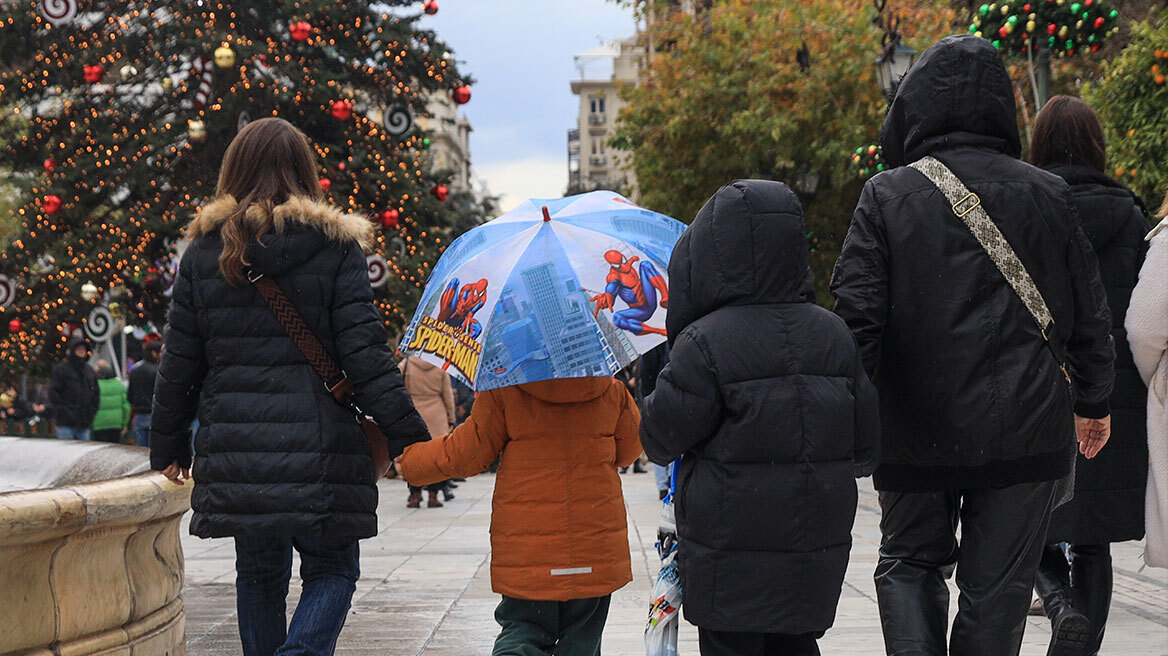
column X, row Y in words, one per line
column 467, row 451
column 859, row 282
column 364, row 354
column 180, row 377
column 628, row 441
column 686, row 407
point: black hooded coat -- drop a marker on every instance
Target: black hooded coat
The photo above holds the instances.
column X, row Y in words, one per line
column 970, row 395
column 1109, row 489
column 275, row 454
column 766, row 400
column 73, row 392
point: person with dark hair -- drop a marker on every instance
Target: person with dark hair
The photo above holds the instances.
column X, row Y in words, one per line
column 73, row 392
column 1108, row 505
column 113, row 410
column 142, row 379
column 280, row 463
column 976, row 300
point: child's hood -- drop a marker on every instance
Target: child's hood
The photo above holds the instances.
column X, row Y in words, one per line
column 568, row 390
column 746, row 246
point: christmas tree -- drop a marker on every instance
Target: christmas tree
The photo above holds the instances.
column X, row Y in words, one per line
column 122, row 111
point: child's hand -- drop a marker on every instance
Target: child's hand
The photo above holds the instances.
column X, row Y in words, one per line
column 398, row 465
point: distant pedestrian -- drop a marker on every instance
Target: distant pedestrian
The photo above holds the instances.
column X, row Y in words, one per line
column 142, row 379
column 1147, row 332
column 766, row 401
column 433, row 396
column 1108, row 505
column 978, row 401
column 559, row 539
column 280, row 464
column 73, row 392
column 113, row 410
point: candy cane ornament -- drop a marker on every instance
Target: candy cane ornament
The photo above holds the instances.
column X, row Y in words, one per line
column 202, row 68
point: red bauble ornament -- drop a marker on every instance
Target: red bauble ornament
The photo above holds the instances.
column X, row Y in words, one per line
column 1095, row 48
column 51, row 203
column 430, row 7
column 300, row 30
column 1026, row 8
column 1099, row 22
column 50, row 165
column 1051, row 29
column 1003, row 32
column 389, row 218
column 342, row 110
column 440, row 192
column 94, row 73
column 325, row 183
column 462, row 95
column 15, row 326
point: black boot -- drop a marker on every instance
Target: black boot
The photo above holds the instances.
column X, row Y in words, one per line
column 1070, row 629
column 1091, row 585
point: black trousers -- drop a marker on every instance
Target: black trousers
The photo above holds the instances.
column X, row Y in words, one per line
column 538, row 628
column 1002, row 534
column 726, row 643
column 1084, row 584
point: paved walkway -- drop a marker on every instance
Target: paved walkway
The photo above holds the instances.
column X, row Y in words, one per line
column 425, row 587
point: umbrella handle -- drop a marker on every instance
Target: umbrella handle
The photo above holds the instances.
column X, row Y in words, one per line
column 674, row 469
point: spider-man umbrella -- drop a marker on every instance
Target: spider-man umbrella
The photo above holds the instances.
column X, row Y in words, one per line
column 558, row 288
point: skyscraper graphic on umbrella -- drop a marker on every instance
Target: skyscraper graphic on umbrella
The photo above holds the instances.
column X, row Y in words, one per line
column 557, row 288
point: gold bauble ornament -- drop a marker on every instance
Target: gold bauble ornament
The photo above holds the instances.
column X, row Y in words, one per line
column 1031, row 26
column 167, row 83
column 196, row 130
column 115, row 310
column 128, row 72
column 224, row 57
column 1005, row 10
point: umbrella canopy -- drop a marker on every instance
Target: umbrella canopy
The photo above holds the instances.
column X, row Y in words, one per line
column 557, row 288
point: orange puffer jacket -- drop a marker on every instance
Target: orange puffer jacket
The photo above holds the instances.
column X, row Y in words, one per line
column 558, row 526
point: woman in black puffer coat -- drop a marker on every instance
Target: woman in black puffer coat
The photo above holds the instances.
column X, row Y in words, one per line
column 279, row 463
column 1108, row 505
column 766, row 400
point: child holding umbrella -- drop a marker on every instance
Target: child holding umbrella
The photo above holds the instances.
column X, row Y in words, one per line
column 559, row 542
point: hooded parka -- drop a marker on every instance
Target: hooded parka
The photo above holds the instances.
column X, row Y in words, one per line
column 766, row 400
column 275, row 454
column 970, row 395
column 1108, row 505
column 558, row 525
column 73, row 390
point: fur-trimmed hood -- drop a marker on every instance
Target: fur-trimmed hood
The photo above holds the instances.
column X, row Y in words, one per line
column 336, row 225
column 301, row 229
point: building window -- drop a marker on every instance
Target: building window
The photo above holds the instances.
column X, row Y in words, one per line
column 597, row 104
column 598, row 146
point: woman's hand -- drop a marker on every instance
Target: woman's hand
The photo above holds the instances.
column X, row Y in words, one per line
column 175, row 474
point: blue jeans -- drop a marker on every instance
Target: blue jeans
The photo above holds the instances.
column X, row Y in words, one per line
column 71, row 433
column 662, row 474
column 329, row 570
column 141, row 430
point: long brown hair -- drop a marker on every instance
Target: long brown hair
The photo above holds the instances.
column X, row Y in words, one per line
column 267, row 163
column 1068, row 132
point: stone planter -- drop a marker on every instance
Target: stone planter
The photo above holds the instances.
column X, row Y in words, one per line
column 89, row 567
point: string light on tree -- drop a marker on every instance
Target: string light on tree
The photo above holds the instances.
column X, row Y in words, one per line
column 128, row 165
column 1064, row 28
column 866, row 161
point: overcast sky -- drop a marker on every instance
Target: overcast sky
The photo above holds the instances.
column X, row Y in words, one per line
column 520, row 54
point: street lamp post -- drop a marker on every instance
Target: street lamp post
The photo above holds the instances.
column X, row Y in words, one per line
column 893, row 64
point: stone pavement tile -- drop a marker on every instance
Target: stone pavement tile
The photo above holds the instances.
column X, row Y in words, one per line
column 425, row 586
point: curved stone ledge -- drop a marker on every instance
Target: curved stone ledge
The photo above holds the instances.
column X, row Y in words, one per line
column 95, row 567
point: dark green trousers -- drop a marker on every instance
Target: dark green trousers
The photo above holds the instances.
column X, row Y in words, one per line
column 562, row 628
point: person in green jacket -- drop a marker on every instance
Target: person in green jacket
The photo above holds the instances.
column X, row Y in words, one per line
column 113, row 409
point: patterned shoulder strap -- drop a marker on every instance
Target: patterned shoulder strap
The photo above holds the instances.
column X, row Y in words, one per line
column 967, row 206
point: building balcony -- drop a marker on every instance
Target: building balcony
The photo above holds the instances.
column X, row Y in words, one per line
column 597, row 118
column 597, row 160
